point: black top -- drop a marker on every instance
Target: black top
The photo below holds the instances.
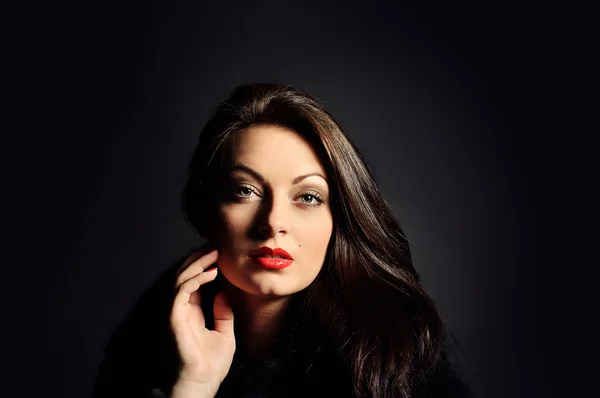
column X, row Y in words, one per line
column 141, row 359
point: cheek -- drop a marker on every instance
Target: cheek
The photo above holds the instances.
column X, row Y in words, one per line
column 232, row 230
column 233, row 223
column 315, row 233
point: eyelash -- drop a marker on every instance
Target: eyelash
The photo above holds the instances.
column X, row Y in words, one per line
column 314, row 194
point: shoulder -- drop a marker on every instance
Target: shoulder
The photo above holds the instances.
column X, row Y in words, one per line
column 140, row 354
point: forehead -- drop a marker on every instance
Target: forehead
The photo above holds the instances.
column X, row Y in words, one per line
column 273, row 151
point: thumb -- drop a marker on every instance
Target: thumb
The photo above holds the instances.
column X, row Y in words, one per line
column 223, row 314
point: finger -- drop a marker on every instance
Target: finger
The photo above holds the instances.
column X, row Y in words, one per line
column 223, row 314
column 203, row 277
column 182, row 300
column 196, row 254
column 179, row 312
column 197, row 266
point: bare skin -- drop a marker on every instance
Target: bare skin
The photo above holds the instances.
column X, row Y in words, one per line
column 277, row 196
column 259, row 321
column 206, row 355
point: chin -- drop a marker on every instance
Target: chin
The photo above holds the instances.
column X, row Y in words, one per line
column 263, row 283
column 270, row 289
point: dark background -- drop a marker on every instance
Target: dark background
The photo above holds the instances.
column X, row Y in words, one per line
column 449, row 103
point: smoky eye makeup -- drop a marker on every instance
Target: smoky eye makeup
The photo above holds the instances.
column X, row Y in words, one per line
column 239, row 189
column 241, row 186
column 310, row 199
column 321, row 189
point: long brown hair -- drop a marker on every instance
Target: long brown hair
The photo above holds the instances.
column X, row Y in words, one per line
column 368, row 295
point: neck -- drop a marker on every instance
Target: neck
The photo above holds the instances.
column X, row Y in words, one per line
column 258, row 320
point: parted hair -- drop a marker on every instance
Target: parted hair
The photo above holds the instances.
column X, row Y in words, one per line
column 368, row 296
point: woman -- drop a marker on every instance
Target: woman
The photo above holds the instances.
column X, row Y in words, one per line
column 307, row 285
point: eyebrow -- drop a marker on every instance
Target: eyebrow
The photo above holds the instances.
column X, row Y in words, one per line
column 258, row 176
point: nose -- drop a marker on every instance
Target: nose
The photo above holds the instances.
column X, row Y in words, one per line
column 275, row 218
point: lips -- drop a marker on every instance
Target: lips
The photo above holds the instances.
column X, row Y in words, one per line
column 271, row 258
column 268, row 252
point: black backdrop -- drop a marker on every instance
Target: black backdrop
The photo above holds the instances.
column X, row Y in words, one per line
column 444, row 101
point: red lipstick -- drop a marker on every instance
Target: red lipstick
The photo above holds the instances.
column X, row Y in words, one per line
column 271, row 258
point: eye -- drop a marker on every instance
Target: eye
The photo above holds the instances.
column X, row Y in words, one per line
column 308, row 198
column 311, row 198
column 243, row 192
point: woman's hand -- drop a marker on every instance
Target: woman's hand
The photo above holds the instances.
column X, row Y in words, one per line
column 206, row 355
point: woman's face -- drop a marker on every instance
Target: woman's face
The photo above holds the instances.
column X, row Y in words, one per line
column 275, row 195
